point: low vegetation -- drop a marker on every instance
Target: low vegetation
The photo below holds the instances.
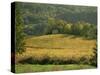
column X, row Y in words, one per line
column 20, row 68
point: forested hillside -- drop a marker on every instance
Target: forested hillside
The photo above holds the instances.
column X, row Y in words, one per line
column 69, row 13
column 43, row 19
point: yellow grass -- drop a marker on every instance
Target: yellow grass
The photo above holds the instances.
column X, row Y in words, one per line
column 57, row 47
column 60, row 41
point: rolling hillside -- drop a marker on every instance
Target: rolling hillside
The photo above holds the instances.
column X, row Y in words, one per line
column 57, row 47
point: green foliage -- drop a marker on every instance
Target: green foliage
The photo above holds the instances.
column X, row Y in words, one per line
column 37, row 13
column 19, row 29
column 92, row 32
column 44, row 19
column 67, row 28
column 94, row 59
column 54, row 26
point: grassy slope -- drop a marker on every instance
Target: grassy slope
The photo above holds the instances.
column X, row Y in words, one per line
column 42, row 68
column 56, row 46
column 60, row 41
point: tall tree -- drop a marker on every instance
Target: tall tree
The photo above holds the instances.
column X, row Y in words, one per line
column 19, row 34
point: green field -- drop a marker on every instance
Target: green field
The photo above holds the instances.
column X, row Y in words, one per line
column 43, row 68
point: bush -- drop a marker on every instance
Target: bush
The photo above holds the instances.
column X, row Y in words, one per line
column 94, row 58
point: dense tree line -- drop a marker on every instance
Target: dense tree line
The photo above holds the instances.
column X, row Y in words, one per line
column 53, row 26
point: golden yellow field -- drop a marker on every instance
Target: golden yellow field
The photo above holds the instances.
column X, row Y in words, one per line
column 57, row 47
